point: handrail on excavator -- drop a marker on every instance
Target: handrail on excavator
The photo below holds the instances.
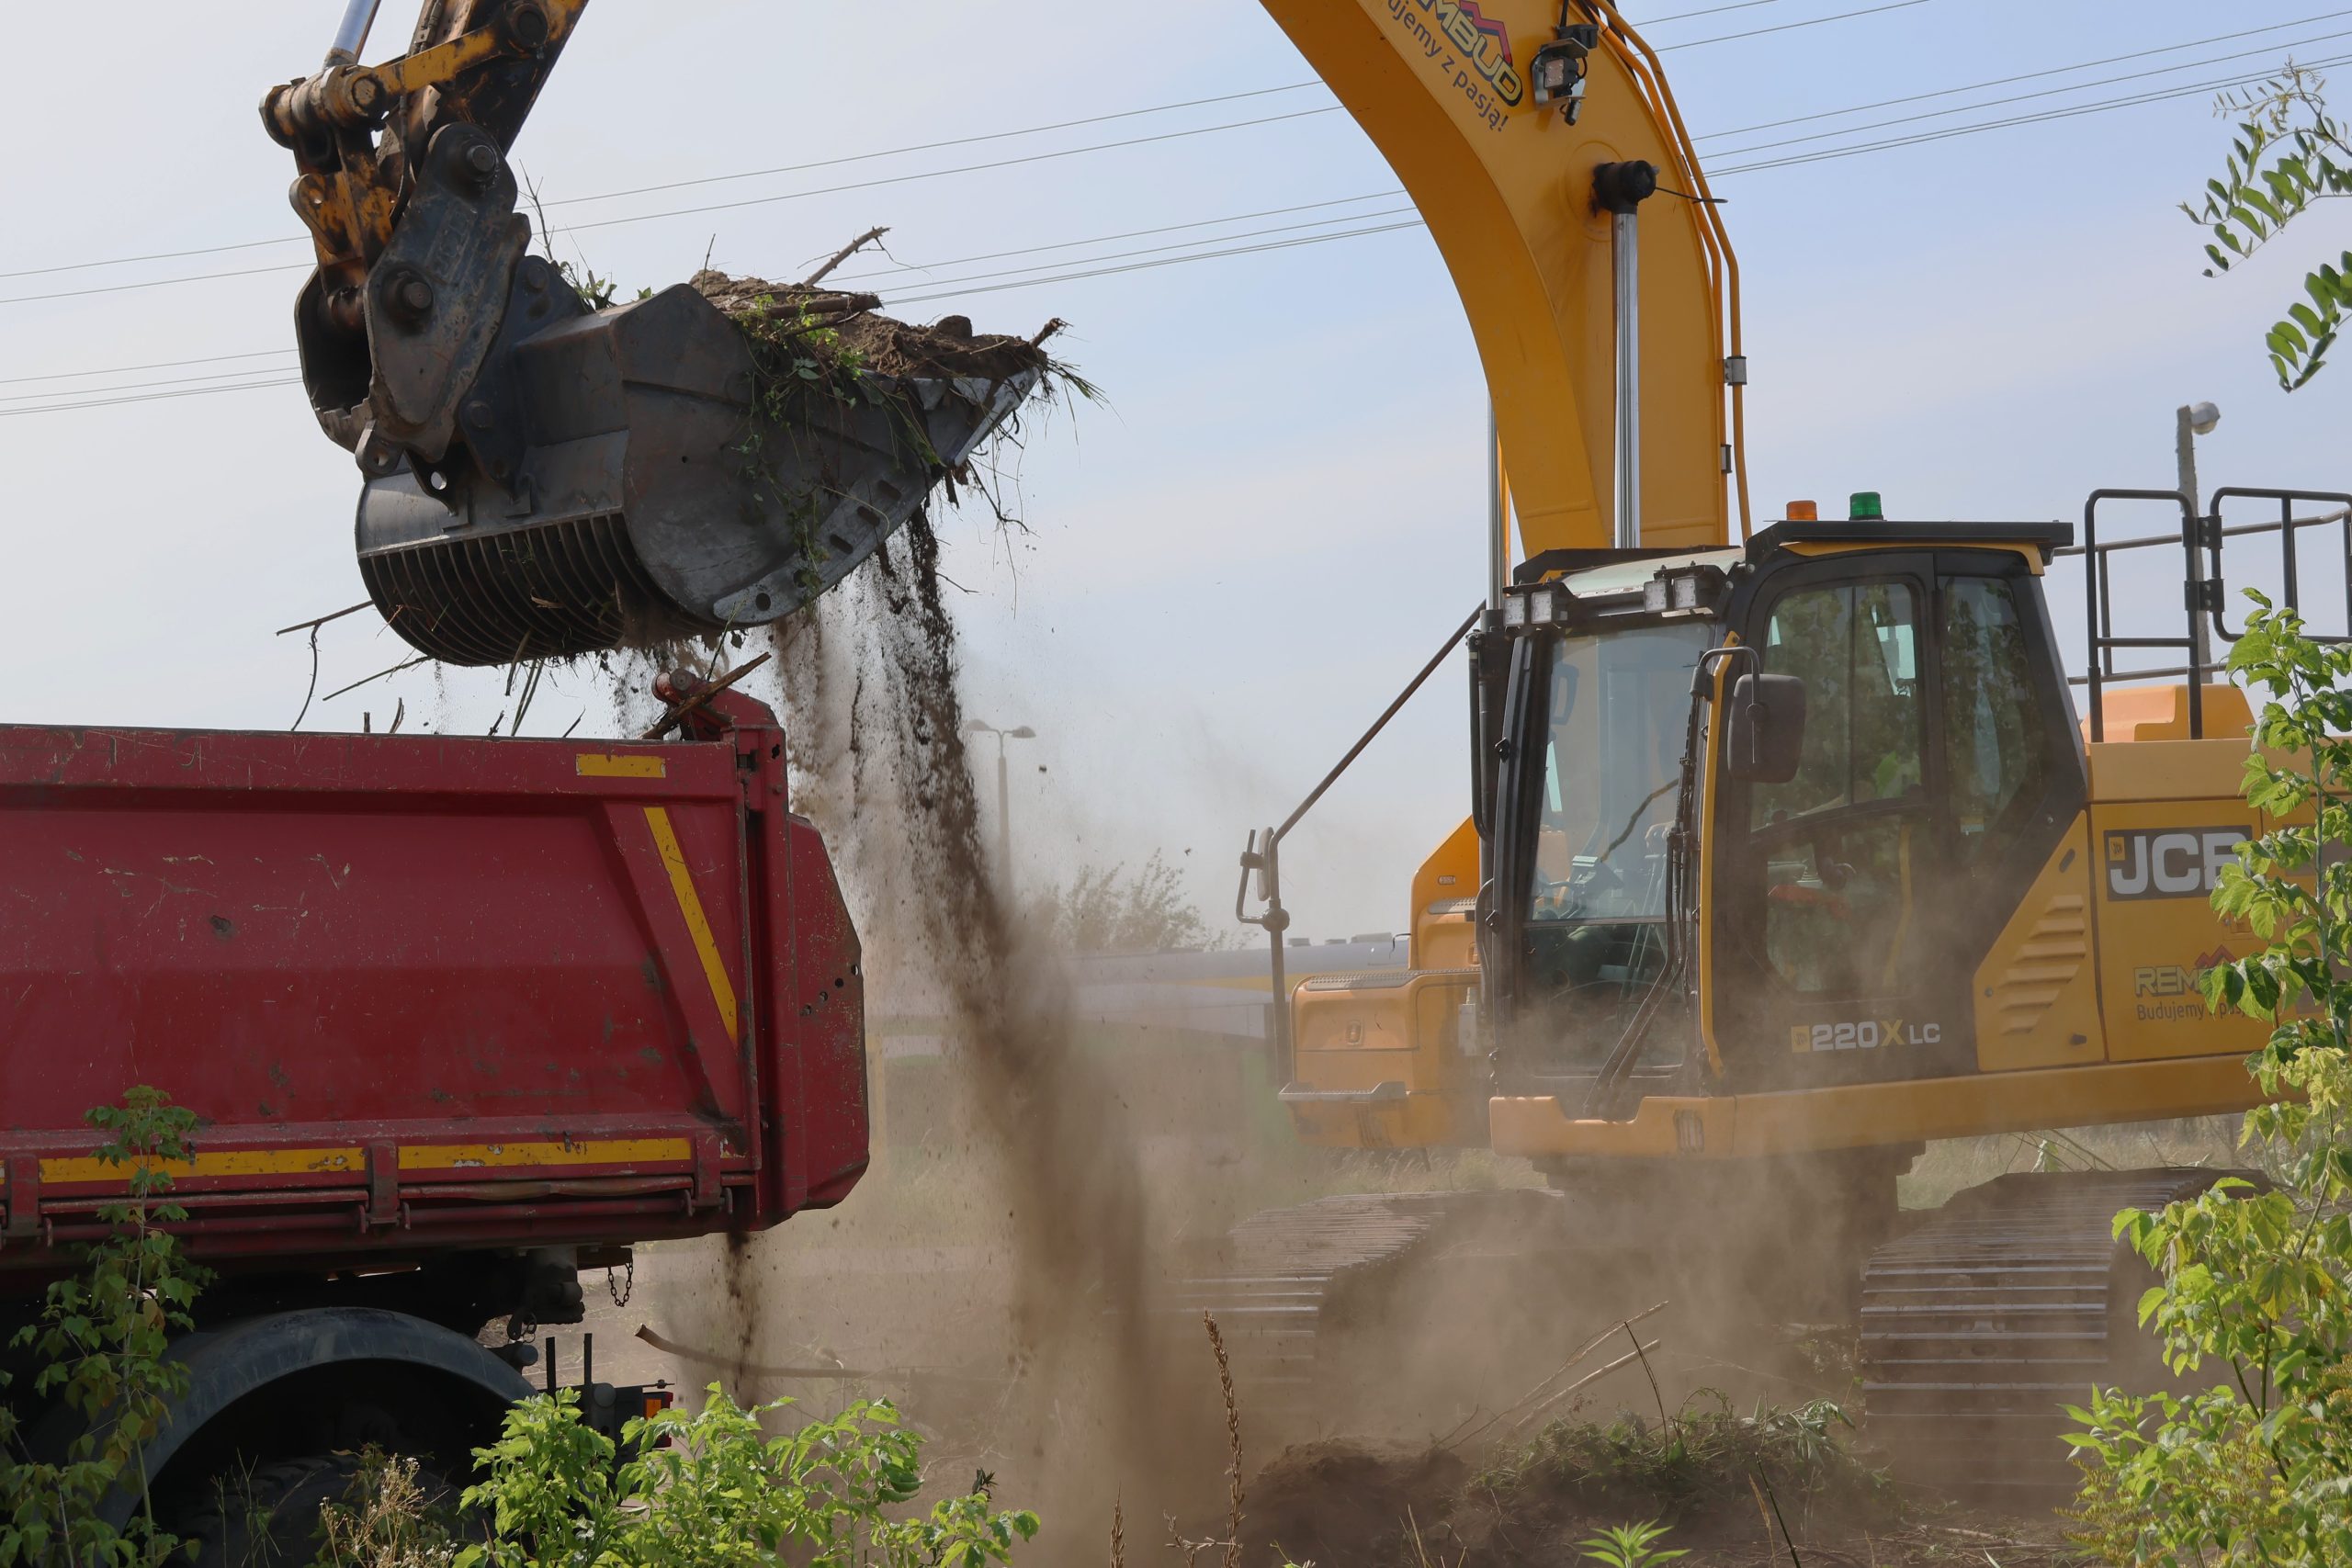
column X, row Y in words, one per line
column 2201, row 587
column 1263, row 854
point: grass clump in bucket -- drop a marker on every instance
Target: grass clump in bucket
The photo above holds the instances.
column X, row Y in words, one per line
column 821, row 357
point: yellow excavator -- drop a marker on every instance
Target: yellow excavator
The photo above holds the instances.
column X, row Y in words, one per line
column 1788, row 852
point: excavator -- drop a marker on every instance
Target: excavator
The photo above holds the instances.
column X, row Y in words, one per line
column 1788, row 850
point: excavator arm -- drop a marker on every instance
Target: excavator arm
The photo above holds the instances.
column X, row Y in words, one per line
column 1517, row 126
column 547, row 475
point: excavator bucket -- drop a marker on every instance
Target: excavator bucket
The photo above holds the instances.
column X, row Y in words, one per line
column 630, row 478
column 545, row 477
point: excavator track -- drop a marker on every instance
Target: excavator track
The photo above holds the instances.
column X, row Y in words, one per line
column 2010, row 1302
column 1297, row 1291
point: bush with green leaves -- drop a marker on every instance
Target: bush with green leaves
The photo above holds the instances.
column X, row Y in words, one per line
column 2288, row 156
column 2254, row 1298
column 717, row 1489
column 100, row 1345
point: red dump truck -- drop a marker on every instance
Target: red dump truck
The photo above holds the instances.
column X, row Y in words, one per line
column 460, row 1018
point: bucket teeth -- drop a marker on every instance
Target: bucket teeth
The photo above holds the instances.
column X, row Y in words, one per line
column 544, row 592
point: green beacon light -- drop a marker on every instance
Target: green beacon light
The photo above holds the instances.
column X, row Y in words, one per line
column 1865, row 508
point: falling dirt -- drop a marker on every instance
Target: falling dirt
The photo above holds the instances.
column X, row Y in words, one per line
column 1051, row 1338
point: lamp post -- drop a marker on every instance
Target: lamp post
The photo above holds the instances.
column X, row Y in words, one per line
column 2193, row 421
column 1003, row 792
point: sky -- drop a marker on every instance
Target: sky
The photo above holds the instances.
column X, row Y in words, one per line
column 1231, row 568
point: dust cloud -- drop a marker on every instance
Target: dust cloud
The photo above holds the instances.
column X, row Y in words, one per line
column 1001, row 1288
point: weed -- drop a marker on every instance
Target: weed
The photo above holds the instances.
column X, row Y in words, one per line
column 385, row 1519
column 1630, row 1546
column 101, row 1340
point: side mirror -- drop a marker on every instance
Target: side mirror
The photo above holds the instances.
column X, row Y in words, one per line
column 1764, row 732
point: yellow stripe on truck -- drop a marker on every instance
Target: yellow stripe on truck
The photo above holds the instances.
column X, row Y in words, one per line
column 606, row 765
column 230, row 1163
column 209, row 1163
column 682, row 882
column 592, row 1151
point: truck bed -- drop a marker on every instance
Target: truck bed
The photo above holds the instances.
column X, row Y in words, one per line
column 426, row 993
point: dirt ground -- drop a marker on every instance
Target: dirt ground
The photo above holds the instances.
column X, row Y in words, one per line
column 1340, row 1502
column 1332, row 1502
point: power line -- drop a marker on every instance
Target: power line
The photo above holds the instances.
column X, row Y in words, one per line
column 2070, row 112
column 952, row 283
column 2026, row 97
column 1136, row 234
column 960, row 261
column 934, row 146
column 149, row 397
column 945, row 292
column 748, row 201
column 1168, row 261
column 153, row 283
column 135, row 385
column 880, row 153
column 1710, row 11
column 2028, row 76
column 714, row 179
column 947, row 288
column 940, row 174
column 152, row 364
column 1792, row 27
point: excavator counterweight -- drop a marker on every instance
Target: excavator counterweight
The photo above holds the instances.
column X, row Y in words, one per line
column 546, row 476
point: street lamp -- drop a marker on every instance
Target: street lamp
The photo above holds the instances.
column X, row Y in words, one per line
column 1003, row 793
column 2192, row 420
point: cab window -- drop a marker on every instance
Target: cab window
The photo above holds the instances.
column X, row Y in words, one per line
column 1856, row 648
column 1994, row 751
column 1843, row 842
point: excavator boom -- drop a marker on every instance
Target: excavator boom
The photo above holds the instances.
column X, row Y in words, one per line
column 1515, row 125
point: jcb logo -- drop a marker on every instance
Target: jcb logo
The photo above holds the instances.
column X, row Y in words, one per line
column 2172, row 862
column 1862, row 1034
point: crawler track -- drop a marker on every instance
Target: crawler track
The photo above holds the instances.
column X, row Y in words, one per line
column 2009, row 1304
column 1290, row 1284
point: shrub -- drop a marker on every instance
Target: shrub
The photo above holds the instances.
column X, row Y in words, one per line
column 2256, row 1290
column 716, row 1490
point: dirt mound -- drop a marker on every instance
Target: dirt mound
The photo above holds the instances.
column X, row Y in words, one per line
column 865, row 339
column 1345, row 1503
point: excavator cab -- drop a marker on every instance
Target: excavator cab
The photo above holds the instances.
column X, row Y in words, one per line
column 1798, row 847
column 544, row 473
column 1815, row 774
